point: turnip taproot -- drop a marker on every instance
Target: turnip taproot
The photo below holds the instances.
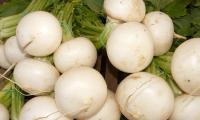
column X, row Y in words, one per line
column 4, row 63
column 4, row 114
column 186, row 108
column 144, row 96
column 162, row 29
column 39, row 33
column 109, row 111
column 34, row 76
column 41, row 108
column 130, row 47
column 125, row 10
column 13, row 51
column 75, row 52
column 185, row 66
column 80, row 92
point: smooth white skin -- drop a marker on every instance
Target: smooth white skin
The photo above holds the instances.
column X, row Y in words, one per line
column 185, row 66
column 41, row 108
column 162, row 30
column 80, row 92
column 13, row 52
column 39, row 33
column 144, row 96
column 130, row 47
column 109, row 111
column 4, row 114
column 35, row 77
column 125, row 10
column 186, row 108
column 4, row 63
column 75, row 52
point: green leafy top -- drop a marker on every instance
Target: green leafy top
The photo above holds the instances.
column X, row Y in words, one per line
column 11, row 7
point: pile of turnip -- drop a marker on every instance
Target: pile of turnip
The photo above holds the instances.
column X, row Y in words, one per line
column 131, row 47
column 61, row 78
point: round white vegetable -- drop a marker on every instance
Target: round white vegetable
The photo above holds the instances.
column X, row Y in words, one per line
column 143, row 96
column 4, row 63
column 39, row 33
column 125, row 10
column 186, row 108
column 110, row 110
column 41, row 108
column 75, row 52
column 13, row 51
column 185, row 66
column 35, row 77
column 4, row 114
column 80, row 92
column 162, row 29
column 130, row 47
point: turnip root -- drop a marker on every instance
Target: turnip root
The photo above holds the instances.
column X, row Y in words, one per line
column 186, row 108
column 4, row 114
column 4, row 63
column 35, row 77
column 39, row 33
column 109, row 111
column 75, row 52
column 80, row 92
column 185, row 66
column 13, row 52
column 144, row 96
column 41, row 108
column 125, row 10
column 162, row 29
column 130, row 47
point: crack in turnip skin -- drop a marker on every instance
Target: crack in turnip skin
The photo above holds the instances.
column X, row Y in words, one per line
column 136, row 114
column 27, row 45
column 83, row 109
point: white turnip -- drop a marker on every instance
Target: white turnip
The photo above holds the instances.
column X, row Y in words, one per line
column 80, row 92
column 39, row 33
column 4, row 63
column 75, row 52
column 185, row 66
column 13, row 52
column 144, row 96
column 130, row 47
column 162, row 29
column 4, row 114
column 125, row 10
column 34, row 76
column 41, row 108
column 186, row 108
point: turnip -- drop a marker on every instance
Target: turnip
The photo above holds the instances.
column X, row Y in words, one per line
column 4, row 114
column 75, row 52
column 144, row 96
column 130, row 47
column 109, row 111
column 13, row 52
column 80, row 92
column 39, row 33
column 41, row 108
column 186, row 108
column 125, row 10
column 4, row 63
column 185, row 66
column 34, row 76
column 162, row 30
